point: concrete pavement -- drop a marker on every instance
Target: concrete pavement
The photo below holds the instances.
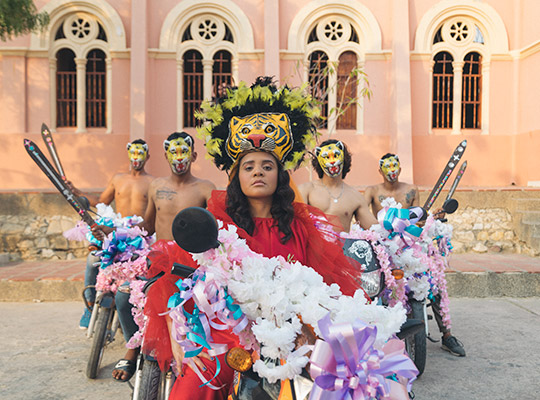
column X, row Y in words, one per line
column 44, row 354
column 469, row 275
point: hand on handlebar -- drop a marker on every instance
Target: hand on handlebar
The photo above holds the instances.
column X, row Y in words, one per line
column 101, row 231
column 439, row 213
column 179, row 355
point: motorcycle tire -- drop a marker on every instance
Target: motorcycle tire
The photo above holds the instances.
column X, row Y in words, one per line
column 150, row 381
column 416, row 345
column 98, row 342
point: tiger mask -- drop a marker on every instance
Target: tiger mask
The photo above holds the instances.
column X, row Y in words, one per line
column 269, row 132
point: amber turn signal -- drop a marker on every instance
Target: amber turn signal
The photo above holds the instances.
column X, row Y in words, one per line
column 397, row 274
column 239, row 359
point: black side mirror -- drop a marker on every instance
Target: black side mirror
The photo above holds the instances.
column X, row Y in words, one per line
column 450, row 206
column 195, row 230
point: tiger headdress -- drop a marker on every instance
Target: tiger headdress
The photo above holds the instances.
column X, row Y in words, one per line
column 262, row 117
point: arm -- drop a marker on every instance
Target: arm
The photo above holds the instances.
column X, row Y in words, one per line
column 364, row 218
column 369, row 196
column 304, row 189
column 179, row 354
column 416, row 196
column 208, row 188
column 108, row 194
column 106, row 197
column 149, row 222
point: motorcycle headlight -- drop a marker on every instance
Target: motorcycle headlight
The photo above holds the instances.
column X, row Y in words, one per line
column 371, row 282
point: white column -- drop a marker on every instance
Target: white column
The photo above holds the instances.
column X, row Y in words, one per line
column 430, row 102
column 108, row 93
column 81, row 94
column 235, row 70
column 207, row 78
column 360, row 101
column 458, row 84
column 138, row 69
column 401, row 138
column 485, row 97
column 179, row 95
column 52, row 94
column 332, row 96
column 271, row 39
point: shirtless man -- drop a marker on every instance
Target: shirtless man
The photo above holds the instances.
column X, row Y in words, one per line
column 128, row 190
column 330, row 193
column 130, row 193
column 408, row 196
column 166, row 197
column 403, row 193
column 169, row 195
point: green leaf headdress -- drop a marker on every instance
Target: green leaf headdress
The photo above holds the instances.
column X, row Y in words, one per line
column 262, row 117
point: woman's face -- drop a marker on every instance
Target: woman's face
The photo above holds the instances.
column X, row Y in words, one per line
column 258, row 175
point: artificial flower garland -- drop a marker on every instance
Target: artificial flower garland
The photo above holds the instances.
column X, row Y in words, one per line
column 422, row 261
column 261, row 286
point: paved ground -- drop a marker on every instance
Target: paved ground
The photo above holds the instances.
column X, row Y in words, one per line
column 73, row 270
column 44, row 354
column 468, row 275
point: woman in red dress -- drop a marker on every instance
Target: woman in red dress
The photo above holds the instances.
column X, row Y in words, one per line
column 259, row 201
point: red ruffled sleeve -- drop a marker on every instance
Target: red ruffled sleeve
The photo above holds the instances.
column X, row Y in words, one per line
column 156, row 337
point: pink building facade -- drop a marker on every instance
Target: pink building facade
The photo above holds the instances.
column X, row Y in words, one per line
column 439, row 72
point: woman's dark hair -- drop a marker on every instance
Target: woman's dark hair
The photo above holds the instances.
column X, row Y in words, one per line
column 347, row 160
column 282, row 204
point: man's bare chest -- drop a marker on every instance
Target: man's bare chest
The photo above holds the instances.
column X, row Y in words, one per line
column 171, row 199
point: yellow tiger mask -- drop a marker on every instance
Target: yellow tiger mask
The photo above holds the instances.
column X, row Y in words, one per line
column 269, row 132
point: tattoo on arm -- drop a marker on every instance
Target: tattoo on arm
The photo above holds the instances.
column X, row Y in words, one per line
column 409, row 197
column 165, row 194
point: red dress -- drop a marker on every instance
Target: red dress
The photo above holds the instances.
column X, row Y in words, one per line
column 306, row 245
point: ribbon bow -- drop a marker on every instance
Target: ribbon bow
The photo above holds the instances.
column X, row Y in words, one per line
column 346, row 366
column 213, row 307
column 398, row 221
column 121, row 247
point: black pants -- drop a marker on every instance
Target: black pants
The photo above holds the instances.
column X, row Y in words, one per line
column 436, row 306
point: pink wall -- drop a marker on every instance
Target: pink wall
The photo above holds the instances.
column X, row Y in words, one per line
column 506, row 155
column 89, row 160
column 488, row 159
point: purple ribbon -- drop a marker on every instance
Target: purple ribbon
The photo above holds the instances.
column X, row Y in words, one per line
column 346, row 366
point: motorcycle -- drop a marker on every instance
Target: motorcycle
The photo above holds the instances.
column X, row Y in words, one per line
column 102, row 328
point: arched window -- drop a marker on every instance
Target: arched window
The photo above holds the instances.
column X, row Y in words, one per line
column 333, row 48
column 471, row 94
column 443, row 90
column 66, row 89
column 221, row 70
column 318, row 81
column 458, row 45
column 206, row 68
column 80, row 72
column 193, row 86
column 96, row 100
column 347, row 89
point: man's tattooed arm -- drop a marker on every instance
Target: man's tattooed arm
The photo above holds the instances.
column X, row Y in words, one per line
column 409, row 197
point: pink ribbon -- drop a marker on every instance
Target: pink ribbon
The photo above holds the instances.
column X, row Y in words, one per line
column 346, row 366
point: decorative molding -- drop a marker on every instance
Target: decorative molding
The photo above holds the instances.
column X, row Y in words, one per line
column 489, row 21
column 104, row 13
column 179, row 18
column 360, row 17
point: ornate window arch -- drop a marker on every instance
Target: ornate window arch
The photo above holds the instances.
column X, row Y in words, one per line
column 472, row 33
column 342, row 31
column 217, row 30
column 86, row 28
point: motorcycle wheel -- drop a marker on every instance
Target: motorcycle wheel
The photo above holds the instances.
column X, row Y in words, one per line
column 416, row 345
column 150, row 379
column 98, row 342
